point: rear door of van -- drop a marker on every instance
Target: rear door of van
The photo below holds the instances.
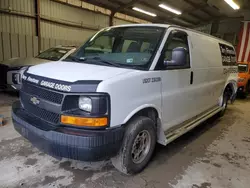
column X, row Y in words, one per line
column 207, row 68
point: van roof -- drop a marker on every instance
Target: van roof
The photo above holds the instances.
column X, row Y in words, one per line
column 168, row 25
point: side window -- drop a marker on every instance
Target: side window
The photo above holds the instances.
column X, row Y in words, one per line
column 176, row 40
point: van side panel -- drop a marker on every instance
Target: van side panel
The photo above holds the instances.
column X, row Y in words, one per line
column 208, row 69
column 131, row 93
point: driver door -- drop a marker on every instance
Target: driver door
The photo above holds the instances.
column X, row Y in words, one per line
column 177, row 94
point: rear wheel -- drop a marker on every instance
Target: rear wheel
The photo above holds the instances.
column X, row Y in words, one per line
column 137, row 147
column 224, row 104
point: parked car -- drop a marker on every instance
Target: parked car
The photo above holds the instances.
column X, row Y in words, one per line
column 144, row 84
column 16, row 66
column 3, row 76
column 244, row 79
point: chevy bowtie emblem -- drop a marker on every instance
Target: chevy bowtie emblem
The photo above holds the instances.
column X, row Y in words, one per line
column 35, row 100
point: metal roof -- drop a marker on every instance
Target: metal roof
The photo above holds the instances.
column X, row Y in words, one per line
column 194, row 12
column 167, row 26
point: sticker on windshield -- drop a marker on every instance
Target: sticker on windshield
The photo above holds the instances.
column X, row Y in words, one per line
column 62, row 51
column 130, row 60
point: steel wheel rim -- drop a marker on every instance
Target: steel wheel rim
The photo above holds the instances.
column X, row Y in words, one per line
column 141, row 147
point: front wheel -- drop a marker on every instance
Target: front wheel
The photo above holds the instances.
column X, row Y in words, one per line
column 137, row 147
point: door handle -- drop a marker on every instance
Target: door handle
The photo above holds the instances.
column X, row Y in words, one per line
column 191, row 77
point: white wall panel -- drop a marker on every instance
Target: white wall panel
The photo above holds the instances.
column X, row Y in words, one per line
column 57, row 31
column 22, row 45
column 121, row 22
column 16, row 24
column 6, row 43
column 63, row 12
column 24, row 6
column 14, row 45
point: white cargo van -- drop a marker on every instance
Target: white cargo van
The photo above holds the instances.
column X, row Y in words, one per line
column 127, row 88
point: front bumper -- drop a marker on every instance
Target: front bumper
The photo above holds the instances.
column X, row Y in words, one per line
column 87, row 145
column 241, row 90
column 12, row 88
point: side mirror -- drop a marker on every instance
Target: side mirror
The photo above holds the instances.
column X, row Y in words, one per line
column 179, row 57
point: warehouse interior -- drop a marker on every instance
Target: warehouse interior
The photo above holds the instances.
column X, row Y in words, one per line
column 215, row 154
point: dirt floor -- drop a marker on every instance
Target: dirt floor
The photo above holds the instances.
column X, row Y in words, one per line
column 214, row 155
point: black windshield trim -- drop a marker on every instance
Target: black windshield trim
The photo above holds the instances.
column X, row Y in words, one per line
column 136, row 67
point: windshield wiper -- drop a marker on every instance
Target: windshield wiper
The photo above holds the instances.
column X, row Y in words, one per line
column 73, row 58
column 99, row 60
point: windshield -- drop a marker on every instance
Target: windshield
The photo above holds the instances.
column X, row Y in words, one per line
column 53, row 54
column 242, row 68
column 129, row 47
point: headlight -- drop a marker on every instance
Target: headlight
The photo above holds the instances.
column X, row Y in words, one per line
column 85, row 103
column 241, row 79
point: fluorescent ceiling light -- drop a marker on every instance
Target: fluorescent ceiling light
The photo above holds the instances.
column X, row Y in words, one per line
column 170, row 9
column 232, row 4
column 144, row 11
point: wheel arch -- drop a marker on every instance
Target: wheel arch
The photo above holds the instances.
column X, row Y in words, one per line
column 152, row 112
column 231, row 88
column 146, row 110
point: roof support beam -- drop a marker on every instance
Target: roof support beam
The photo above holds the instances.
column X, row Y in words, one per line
column 111, row 18
column 38, row 23
column 124, row 6
column 199, row 7
column 98, row 3
column 169, row 15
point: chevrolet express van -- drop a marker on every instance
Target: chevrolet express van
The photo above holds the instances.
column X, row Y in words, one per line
column 126, row 89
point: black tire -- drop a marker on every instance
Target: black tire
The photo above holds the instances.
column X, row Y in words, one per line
column 247, row 90
column 243, row 95
column 124, row 160
column 224, row 104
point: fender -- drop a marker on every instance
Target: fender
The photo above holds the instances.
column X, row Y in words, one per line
column 131, row 114
column 161, row 139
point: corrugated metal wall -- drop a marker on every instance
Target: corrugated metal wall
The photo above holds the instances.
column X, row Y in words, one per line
column 57, row 31
column 72, row 14
column 18, row 32
column 16, row 24
column 120, row 22
column 25, row 6
column 68, row 14
column 15, row 45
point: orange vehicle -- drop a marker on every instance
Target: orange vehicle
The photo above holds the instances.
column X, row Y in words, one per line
column 244, row 79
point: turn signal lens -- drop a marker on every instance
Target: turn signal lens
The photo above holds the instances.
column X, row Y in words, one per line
column 87, row 122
